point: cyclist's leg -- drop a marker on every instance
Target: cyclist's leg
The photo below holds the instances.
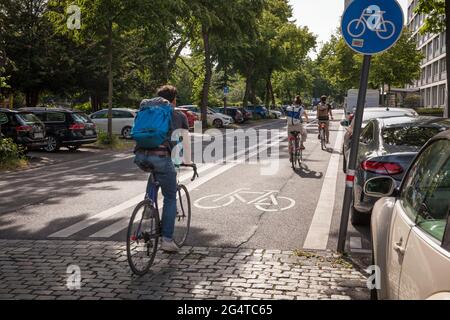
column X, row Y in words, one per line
column 304, row 135
column 166, row 175
column 327, row 131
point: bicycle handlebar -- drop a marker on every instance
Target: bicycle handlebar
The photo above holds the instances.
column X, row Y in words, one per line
column 194, row 167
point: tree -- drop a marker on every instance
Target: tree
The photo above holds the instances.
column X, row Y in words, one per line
column 40, row 59
column 437, row 21
column 340, row 65
column 399, row 66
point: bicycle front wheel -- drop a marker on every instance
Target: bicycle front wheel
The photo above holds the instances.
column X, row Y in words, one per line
column 142, row 237
column 183, row 219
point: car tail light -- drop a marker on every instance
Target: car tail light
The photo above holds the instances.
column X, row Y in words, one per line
column 388, row 168
column 24, row 128
column 77, row 126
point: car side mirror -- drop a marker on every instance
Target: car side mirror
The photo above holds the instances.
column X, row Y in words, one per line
column 380, row 187
column 345, row 123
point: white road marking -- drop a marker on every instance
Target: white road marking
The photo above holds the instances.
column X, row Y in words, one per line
column 77, row 227
column 119, row 226
column 356, row 246
column 319, row 231
column 355, row 243
column 114, row 229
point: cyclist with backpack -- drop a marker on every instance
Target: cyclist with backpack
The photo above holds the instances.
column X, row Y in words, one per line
column 155, row 126
column 324, row 113
column 295, row 114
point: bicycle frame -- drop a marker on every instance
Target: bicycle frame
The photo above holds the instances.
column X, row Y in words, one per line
column 380, row 18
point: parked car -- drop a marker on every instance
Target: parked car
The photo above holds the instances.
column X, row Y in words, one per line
column 235, row 113
column 214, row 117
column 387, row 147
column 65, row 128
column 275, row 113
column 23, row 128
column 122, row 121
column 370, row 114
column 259, row 111
column 411, row 227
column 191, row 116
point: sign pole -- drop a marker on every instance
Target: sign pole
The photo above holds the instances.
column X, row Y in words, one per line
column 354, row 153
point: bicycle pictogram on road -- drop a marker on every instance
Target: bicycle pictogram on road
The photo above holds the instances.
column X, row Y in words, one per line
column 268, row 201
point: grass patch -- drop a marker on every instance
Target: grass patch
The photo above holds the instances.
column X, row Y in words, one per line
column 104, row 142
column 12, row 156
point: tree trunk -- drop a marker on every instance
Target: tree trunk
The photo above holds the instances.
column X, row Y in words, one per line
column 208, row 76
column 32, row 98
column 248, row 81
column 447, row 44
column 267, row 95
column 110, row 79
column 272, row 94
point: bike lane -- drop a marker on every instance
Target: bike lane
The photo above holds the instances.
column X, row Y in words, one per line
column 243, row 208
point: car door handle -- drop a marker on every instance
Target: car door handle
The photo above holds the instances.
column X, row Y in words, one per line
column 399, row 249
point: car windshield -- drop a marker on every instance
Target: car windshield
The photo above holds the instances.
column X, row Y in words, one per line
column 409, row 136
column 28, row 118
column 81, row 118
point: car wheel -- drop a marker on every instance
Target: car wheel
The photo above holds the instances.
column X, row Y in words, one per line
column 126, row 132
column 52, row 144
column 218, row 123
column 360, row 218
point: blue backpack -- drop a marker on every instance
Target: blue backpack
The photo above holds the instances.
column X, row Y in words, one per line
column 152, row 126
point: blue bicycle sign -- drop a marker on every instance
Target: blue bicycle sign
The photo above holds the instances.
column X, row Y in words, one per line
column 372, row 19
column 372, row 26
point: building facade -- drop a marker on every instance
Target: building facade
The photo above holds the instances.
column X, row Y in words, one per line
column 432, row 84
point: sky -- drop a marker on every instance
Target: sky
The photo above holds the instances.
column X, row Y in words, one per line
column 323, row 17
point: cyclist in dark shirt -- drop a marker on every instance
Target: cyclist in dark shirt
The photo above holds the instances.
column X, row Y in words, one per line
column 163, row 168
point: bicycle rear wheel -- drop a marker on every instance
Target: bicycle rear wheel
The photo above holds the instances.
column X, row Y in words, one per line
column 142, row 237
column 183, row 219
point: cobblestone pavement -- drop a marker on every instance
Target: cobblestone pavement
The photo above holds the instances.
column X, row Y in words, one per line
column 38, row 270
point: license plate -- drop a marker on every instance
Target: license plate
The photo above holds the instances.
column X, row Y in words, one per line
column 89, row 132
column 39, row 136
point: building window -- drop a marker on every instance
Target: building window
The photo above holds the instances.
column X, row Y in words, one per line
column 435, row 96
column 442, row 95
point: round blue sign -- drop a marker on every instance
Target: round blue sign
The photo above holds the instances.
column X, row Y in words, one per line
column 372, row 26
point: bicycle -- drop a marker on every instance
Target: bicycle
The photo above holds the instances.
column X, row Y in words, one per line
column 295, row 152
column 144, row 229
column 323, row 134
column 373, row 19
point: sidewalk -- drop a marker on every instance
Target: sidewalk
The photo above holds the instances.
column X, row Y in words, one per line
column 37, row 270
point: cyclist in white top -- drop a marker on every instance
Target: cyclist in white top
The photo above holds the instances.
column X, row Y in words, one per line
column 295, row 115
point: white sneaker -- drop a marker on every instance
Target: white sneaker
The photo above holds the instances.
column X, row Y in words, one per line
column 169, row 246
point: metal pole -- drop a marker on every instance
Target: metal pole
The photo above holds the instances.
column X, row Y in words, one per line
column 354, row 153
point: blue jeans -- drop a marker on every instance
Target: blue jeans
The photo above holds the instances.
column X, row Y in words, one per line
column 166, row 175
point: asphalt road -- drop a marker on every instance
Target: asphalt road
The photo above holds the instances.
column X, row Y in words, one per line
column 89, row 195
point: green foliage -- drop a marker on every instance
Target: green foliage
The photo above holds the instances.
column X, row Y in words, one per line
column 399, row 66
column 104, row 140
column 435, row 12
column 11, row 155
column 436, row 112
column 412, row 101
